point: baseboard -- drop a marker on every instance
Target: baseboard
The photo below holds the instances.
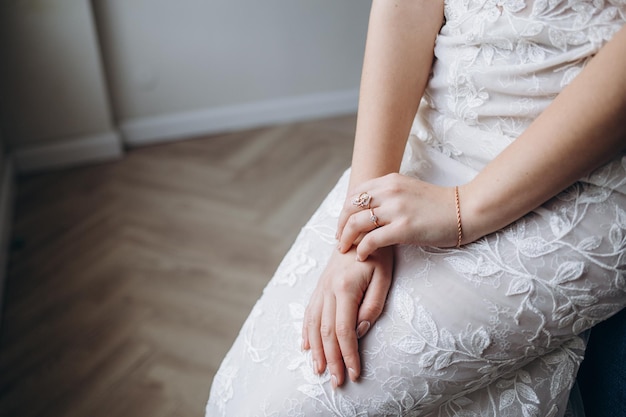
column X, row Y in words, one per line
column 6, row 215
column 149, row 130
column 76, row 151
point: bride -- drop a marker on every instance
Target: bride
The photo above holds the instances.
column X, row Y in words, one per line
column 452, row 273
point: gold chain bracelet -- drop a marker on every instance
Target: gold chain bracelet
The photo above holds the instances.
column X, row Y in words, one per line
column 458, row 217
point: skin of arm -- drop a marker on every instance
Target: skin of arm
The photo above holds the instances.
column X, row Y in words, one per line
column 398, row 58
column 582, row 129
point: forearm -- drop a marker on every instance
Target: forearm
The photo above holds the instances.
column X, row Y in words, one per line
column 581, row 130
column 398, row 58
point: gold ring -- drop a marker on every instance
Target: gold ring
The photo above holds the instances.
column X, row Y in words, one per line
column 363, row 200
column 374, row 218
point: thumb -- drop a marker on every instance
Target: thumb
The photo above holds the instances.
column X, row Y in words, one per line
column 374, row 240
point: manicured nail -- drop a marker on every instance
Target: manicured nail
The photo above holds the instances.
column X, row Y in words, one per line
column 353, row 375
column 362, row 329
column 333, row 382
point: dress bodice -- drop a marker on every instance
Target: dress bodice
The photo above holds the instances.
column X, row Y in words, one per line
column 499, row 64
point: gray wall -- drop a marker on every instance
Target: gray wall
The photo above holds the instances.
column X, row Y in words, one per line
column 51, row 71
column 200, row 66
column 52, row 89
column 74, row 73
column 168, row 57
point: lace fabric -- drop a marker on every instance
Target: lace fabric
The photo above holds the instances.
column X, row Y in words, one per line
column 490, row 329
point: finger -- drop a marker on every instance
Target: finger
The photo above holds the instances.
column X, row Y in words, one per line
column 374, row 300
column 350, row 208
column 358, row 224
column 379, row 238
column 305, row 331
column 305, row 328
column 345, row 328
column 305, row 338
column 332, row 352
column 313, row 322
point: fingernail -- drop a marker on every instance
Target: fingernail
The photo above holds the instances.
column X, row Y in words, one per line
column 316, row 369
column 362, row 329
column 353, row 375
column 358, row 258
column 339, row 247
column 333, row 382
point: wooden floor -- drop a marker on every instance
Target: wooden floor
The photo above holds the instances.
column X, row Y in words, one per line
column 128, row 281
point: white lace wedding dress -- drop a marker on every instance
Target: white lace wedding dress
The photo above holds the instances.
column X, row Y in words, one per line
column 489, row 329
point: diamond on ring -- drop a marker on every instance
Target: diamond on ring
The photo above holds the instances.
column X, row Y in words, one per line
column 363, row 200
column 374, row 218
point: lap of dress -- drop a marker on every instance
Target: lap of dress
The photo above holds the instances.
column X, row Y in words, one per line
column 489, row 329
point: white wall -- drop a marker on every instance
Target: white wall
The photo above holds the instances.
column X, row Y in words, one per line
column 196, row 66
column 52, row 83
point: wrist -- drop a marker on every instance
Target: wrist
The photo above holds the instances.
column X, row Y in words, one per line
column 484, row 211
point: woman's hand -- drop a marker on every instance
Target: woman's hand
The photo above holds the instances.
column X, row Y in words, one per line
column 348, row 299
column 406, row 210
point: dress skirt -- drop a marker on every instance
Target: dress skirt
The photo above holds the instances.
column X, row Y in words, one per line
column 489, row 329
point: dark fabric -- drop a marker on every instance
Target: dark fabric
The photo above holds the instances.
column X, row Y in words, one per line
column 602, row 375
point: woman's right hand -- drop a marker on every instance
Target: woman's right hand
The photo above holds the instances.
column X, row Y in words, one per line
column 349, row 298
column 406, row 210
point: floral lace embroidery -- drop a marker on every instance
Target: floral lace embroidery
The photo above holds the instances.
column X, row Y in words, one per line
column 491, row 329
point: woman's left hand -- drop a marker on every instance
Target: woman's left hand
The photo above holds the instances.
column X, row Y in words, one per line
column 348, row 299
column 400, row 209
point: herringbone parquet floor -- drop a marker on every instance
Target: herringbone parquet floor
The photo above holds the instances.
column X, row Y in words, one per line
column 128, row 281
